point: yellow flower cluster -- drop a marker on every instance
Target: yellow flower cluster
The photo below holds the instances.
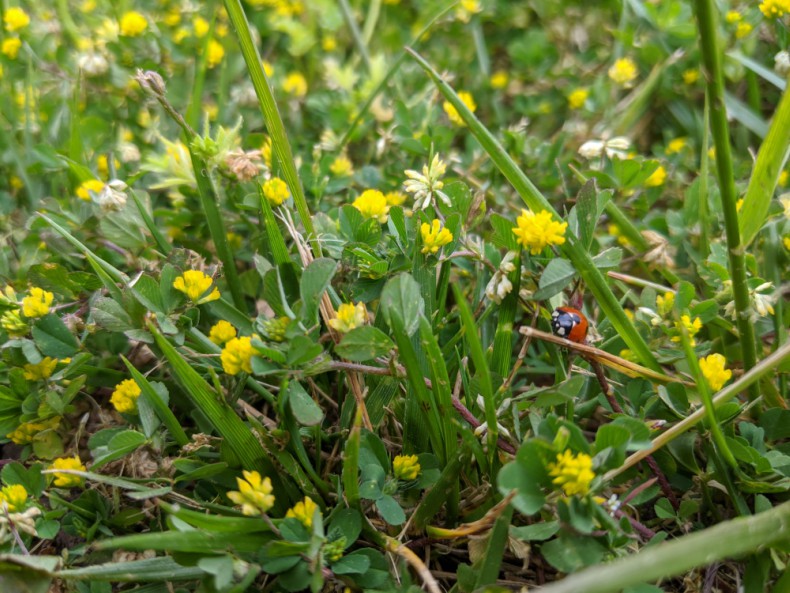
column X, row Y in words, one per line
column 132, row 24
column 197, row 286
column 676, row 145
column 623, row 71
column 221, row 332
column 254, row 493
column 12, row 323
column 395, row 198
column 657, row 177
column 303, row 512
column 692, row 327
column 214, row 53
column 348, row 317
column 774, row 8
column 86, row 187
column 26, row 432
column 13, row 497
column 536, row 231
column 37, row 303
column 15, row 19
column 577, row 98
column 713, row 370
column 124, row 398
column 40, row 371
column 64, row 480
column 10, row 47
column 452, row 112
column 499, row 79
column 406, row 467
column 572, row 473
column 665, row 303
column 690, row 76
column 236, row 356
column 434, row 236
column 341, row 166
column 275, row 190
column 295, row 84
column 372, row 204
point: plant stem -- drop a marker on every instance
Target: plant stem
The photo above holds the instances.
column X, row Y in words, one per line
column 711, row 57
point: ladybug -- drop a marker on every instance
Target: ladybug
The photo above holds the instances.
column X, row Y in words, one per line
column 569, row 323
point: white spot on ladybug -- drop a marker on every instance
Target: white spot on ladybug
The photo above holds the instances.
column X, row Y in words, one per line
column 555, row 314
column 560, row 331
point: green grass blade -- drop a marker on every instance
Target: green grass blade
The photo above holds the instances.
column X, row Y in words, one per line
column 502, row 358
column 163, row 568
column 165, row 414
column 489, row 568
column 596, row 282
column 271, row 115
column 765, row 174
column 481, row 367
column 216, row 228
column 730, row 539
column 161, row 241
column 274, row 235
column 225, row 420
column 433, row 501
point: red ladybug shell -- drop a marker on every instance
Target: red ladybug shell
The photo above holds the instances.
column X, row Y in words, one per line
column 569, row 323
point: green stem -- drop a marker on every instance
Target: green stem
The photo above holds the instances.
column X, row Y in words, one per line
column 351, row 23
column 711, row 57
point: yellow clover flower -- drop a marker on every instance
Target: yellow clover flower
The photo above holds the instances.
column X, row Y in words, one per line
column 124, row 398
column 692, row 327
column 64, row 480
column 657, row 178
column 236, row 356
column 348, row 317
column 10, row 47
column 623, row 71
column 665, row 303
column 395, row 198
column 536, row 231
column 254, row 494
column 86, row 187
column 295, row 84
column 499, row 79
column 434, row 236
column 13, row 497
column 690, row 76
column 452, row 112
column 197, row 286
column 37, row 303
column 577, row 98
column 572, row 473
column 772, row 9
column 341, row 166
column 713, row 370
column 303, row 512
column 372, row 204
column 200, row 26
column 676, row 145
column 275, row 190
column 12, row 323
column 215, row 53
column 406, row 467
column 132, row 24
column 15, row 19
column 221, row 332
column 40, row 371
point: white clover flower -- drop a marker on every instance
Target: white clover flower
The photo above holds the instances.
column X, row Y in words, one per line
column 500, row 286
column 503, row 407
column 614, row 147
column 428, row 184
column 112, row 197
column 762, row 303
column 782, row 63
column 92, row 63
